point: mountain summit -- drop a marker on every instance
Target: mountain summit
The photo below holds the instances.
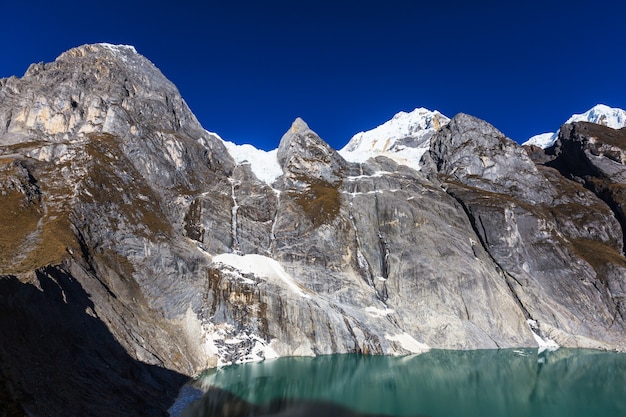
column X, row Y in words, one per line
column 599, row 114
column 404, row 138
column 138, row 249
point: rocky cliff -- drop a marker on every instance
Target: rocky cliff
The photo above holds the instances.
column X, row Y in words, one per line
column 136, row 247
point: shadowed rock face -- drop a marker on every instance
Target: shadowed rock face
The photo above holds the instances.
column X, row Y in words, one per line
column 188, row 260
column 62, row 360
column 593, row 156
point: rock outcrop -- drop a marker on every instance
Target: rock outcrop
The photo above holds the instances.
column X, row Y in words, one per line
column 123, row 220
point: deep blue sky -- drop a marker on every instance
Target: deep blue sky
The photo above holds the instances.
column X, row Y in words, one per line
column 248, row 68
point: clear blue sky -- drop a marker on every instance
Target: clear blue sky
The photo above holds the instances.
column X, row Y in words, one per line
column 248, row 68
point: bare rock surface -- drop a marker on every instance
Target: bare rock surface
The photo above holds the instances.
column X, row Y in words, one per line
column 122, row 214
column 540, row 229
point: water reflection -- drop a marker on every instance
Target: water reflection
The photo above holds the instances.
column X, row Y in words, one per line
column 567, row 382
column 219, row 403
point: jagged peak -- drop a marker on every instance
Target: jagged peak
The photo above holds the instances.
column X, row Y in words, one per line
column 302, row 153
column 299, row 135
column 124, row 58
column 479, row 155
column 299, row 126
column 107, row 60
column 98, row 88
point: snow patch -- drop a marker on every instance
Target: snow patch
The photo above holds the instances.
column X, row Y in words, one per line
column 378, row 312
column 407, row 342
column 544, row 343
column 363, row 193
column 544, row 140
column 260, row 266
column 377, row 174
column 234, row 347
column 222, row 344
column 118, row 48
column 262, row 163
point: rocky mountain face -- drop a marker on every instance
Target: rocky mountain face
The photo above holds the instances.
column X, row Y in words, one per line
column 137, row 248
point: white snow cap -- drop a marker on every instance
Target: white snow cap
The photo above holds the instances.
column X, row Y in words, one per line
column 116, row 48
column 404, row 138
column 544, row 140
column 600, row 114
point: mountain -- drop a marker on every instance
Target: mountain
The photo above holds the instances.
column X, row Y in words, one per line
column 404, row 138
column 542, row 140
column 139, row 248
column 599, row 114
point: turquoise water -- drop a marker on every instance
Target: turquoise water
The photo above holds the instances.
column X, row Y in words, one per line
column 508, row 382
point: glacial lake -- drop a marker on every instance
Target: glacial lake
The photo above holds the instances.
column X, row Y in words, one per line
column 440, row 383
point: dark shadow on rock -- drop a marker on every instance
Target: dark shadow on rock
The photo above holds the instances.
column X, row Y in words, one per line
column 58, row 359
column 220, row 403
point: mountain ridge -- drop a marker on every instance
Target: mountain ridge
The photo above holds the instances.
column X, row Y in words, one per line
column 404, row 138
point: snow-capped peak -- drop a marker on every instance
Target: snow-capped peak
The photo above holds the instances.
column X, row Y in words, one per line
column 404, row 138
column 600, row 114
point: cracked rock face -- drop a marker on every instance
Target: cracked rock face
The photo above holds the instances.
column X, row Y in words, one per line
column 184, row 259
column 540, row 229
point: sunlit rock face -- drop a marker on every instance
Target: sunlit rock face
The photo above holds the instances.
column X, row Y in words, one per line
column 191, row 258
column 544, row 232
